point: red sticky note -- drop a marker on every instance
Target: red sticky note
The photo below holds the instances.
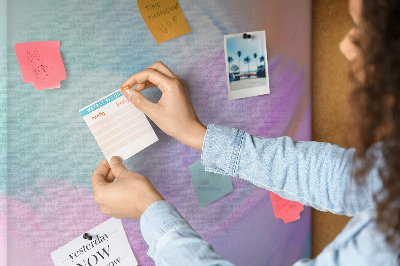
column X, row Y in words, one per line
column 284, row 209
column 41, row 63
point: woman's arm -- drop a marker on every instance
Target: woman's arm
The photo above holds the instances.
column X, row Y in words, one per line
column 313, row 173
column 172, row 241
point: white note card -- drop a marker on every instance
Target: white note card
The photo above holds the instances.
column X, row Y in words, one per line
column 118, row 126
column 108, row 247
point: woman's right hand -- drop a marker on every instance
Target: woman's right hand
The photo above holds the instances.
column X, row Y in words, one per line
column 174, row 112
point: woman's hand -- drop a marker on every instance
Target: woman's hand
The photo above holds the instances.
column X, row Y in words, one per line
column 128, row 197
column 174, row 113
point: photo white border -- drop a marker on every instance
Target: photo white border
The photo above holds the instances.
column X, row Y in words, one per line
column 247, row 92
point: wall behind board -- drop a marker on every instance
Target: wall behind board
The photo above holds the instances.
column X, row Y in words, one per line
column 331, row 89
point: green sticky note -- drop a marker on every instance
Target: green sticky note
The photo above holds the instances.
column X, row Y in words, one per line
column 209, row 186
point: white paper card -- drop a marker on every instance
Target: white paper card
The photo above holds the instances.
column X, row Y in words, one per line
column 118, row 126
column 108, row 247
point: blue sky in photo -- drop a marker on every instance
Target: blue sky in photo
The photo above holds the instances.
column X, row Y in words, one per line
column 248, row 47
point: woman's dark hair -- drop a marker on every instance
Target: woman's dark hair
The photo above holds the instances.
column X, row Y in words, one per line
column 376, row 106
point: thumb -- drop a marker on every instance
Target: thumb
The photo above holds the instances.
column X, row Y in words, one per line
column 117, row 167
column 100, row 174
column 139, row 101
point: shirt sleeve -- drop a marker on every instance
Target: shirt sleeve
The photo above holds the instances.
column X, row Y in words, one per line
column 315, row 174
column 172, row 241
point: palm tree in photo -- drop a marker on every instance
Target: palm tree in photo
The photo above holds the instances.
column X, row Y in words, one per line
column 239, row 54
column 247, row 60
column 262, row 59
column 230, row 60
column 255, row 57
column 234, row 68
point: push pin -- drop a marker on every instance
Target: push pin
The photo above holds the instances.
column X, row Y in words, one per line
column 87, row 236
column 246, row 36
column 125, row 88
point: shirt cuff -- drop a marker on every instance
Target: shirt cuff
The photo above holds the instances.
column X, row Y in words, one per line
column 221, row 150
column 158, row 219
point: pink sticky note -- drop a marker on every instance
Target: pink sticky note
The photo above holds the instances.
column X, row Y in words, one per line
column 41, row 63
column 284, row 209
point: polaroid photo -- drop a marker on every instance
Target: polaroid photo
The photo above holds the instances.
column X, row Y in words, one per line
column 246, row 64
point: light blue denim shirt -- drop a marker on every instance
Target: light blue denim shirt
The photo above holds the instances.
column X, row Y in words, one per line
column 312, row 173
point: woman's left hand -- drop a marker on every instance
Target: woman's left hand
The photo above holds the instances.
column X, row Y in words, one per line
column 127, row 197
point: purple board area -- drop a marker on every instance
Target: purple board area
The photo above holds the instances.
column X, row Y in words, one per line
column 50, row 154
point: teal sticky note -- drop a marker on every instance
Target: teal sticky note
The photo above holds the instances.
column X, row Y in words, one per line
column 209, row 186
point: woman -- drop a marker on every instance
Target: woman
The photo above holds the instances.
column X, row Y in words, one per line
column 363, row 183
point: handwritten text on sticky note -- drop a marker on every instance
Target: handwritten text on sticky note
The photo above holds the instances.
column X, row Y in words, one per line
column 108, row 246
column 209, row 186
column 284, row 209
column 164, row 18
column 41, row 63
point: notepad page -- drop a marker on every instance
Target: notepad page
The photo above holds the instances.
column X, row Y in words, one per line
column 119, row 128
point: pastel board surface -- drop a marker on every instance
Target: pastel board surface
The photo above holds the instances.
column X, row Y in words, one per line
column 49, row 166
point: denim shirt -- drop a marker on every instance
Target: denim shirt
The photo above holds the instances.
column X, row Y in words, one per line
column 312, row 173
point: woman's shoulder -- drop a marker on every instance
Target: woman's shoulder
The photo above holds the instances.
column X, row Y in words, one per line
column 361, row 240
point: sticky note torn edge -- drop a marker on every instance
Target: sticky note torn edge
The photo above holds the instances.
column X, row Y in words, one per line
column 182, row 30
column 60, row 64
column 287, row 216
column 207, row 172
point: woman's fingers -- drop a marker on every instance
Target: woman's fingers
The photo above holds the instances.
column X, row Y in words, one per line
column 110, row 177
column 140, row 86
column 160, row 67
column 174, row 113
column 143, row 86
column 100, row 174
column 153, row 76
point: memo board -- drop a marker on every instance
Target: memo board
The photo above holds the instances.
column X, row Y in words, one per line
column 48, row 155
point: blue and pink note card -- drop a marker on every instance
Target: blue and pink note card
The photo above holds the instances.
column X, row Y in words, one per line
column 209, row 186
column 119, row 128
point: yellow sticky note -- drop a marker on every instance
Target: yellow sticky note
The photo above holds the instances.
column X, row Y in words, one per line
column 164, row 18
